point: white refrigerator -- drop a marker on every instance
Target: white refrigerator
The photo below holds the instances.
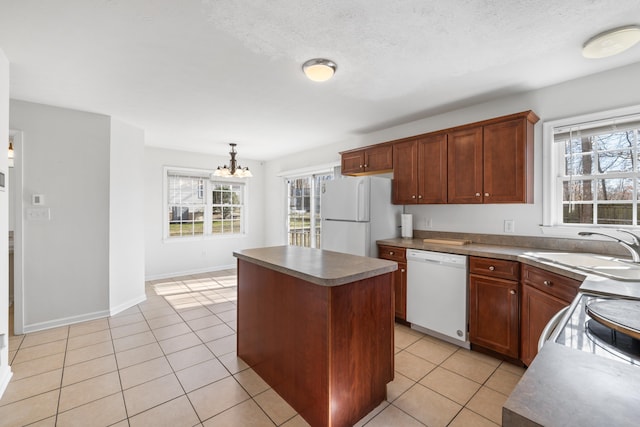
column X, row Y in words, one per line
column 357, row 211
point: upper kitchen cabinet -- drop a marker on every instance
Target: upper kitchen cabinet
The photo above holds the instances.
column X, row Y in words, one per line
column 492, row 162
column 367, row 161
column 420, row 170
column 464, row 161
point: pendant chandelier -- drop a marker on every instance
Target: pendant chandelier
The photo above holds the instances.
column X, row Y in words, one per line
column 234, row 169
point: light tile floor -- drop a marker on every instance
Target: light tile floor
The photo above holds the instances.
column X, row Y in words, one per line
column 171, row 361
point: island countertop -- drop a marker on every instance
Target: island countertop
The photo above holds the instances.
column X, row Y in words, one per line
column 320, row 267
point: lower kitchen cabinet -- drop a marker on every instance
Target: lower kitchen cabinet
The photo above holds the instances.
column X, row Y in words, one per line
column 397, row 254
column 543, row 294
column 494, row 321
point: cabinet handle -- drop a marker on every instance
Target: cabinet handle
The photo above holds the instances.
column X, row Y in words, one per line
column 477, row 194
column 491, row 268
column 486, row 194
column 547, row 283
column 512, row 292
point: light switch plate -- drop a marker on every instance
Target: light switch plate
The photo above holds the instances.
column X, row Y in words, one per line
column 37, row 199
column 38, row 214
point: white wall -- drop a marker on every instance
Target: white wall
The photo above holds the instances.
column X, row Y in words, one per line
column 604, row 91
column 165, row 258
column 5, row 370
column 126, row 220
column 66, row 259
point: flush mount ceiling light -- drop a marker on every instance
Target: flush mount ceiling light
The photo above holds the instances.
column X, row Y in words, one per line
column 319, row 70
column 234, row 169
column 611, row 42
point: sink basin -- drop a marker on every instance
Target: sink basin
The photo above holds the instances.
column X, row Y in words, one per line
column 614, row 268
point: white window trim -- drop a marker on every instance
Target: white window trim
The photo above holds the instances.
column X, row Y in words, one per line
column 551, row 211
column 206, row 174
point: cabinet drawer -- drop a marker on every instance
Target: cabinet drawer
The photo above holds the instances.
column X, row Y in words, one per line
column 559, row 286
column 392, row 253
column 491, row 267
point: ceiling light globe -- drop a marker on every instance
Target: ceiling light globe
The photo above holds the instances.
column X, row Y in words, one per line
column 611, row 42
column 319, row 70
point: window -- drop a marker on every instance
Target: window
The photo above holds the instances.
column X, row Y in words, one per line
column 596, row 169
column 198, row 206
column 303, row 214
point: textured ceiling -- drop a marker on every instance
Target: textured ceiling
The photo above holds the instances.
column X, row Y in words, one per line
column 196, row 75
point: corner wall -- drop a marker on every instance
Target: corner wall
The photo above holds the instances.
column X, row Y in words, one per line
column 5, row 369
column 66, row 258
column 126, row 221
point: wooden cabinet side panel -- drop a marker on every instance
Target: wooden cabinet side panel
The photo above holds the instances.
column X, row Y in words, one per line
column 464, row 166
column 493, row 314
column 400, row 291
column 283, row 336
column 405, row 173
column 505, row 156
column 362, row 349
column 537, row 309
column 432, row 169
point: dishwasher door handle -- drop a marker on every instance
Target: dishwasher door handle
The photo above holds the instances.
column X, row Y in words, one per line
column 432, row 261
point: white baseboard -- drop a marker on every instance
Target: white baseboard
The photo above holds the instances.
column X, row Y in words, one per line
column 188, row 272
column 122, row 307
column 65, row 321
column 5, row 376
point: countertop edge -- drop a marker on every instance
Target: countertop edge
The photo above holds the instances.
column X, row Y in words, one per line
column 370, row 267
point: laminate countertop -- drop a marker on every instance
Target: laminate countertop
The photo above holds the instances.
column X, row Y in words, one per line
column 563, row 386
column 321, row 267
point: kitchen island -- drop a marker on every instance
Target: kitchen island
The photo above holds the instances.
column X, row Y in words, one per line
column 318, row 326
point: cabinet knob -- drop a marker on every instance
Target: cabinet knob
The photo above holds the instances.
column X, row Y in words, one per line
column 486, row 194
column 360, row 166
column 390, row 252
column 512, row 291
column 419, row 197
column 477, row 194
column 413, row 197
column 491, row 268
column 402, row 270
column 547, row 283
column 366, row 165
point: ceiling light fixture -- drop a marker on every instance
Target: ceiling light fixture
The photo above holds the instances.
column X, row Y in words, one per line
column 319, row 70
column 234, row 169
column 612, row 42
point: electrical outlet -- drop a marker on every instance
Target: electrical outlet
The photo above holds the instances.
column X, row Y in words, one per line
column 509, row 226
column 38, row 214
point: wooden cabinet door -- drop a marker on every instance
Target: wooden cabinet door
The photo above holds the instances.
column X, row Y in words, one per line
column 537, row 309
column 493, row 314
column 504, row 152
column 378, row 159
column 432, row 169
column 464, row 166
column 405, row 173
column 400, row 290
column 353, row 162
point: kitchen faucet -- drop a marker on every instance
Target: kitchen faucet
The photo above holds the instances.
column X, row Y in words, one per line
column 633, row 247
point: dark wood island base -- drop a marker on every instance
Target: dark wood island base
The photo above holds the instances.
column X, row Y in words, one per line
column 324, row 342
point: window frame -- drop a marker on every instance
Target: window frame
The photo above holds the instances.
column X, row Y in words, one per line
column 209, row 182
column 552, row 214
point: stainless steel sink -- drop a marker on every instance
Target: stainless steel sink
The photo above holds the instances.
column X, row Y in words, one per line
column 614, row 268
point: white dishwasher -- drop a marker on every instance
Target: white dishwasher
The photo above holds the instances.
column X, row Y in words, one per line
column 437, row 295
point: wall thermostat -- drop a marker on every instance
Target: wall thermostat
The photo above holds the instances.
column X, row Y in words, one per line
column 37, row 199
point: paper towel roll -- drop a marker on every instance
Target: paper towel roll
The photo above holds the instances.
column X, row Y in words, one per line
column 407, row 226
